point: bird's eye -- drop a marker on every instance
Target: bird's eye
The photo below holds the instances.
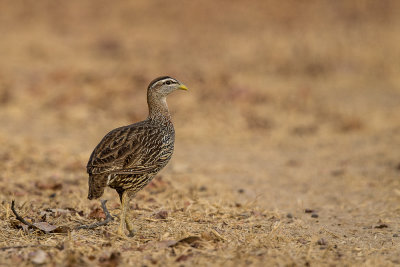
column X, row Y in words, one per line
column 168, row 82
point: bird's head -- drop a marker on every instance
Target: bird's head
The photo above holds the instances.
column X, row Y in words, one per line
column 163, row 86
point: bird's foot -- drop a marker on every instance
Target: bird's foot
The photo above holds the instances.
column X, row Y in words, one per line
column 120, row 232
column 125, row 225
column 130, row 229
column 131, row 233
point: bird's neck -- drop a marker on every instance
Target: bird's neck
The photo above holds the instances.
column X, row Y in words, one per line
column 158, row 109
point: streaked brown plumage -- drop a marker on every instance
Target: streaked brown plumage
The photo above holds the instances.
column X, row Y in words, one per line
column 127, row 158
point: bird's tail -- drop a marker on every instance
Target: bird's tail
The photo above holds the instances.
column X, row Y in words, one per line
column 97, row 183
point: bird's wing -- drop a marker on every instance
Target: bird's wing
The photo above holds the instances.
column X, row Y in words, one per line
column 133, row 149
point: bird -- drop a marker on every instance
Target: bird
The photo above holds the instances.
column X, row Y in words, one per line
column 128, row 157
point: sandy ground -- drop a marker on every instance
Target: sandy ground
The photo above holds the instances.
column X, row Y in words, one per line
column 287, row 143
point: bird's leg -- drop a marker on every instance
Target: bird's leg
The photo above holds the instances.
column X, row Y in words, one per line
column 128, row 217
column 124, row 206
column 129, row 225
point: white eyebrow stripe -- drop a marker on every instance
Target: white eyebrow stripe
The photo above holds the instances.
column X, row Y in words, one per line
column 167, row 79
column 161, row 82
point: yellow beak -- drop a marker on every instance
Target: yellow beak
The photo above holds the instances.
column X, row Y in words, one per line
column 183, row 87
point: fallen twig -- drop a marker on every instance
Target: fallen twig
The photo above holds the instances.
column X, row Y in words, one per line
column 19, row 218
column 44, row 227
column 102, row 223
column 47, row 228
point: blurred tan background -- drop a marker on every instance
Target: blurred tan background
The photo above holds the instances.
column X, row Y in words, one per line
column 291, row 104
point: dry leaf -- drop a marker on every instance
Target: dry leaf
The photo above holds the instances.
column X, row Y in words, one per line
column 45, row 226
column 191, row 240
column 62, row 229
column 163, row 214
column 183, row 257
column 157, row 245
column 59, row 210
column 207, row 236
column 166, row 243
column 157, row 185
column 48, row 186
column 19, row 193
column 98, row 214
column 381, row 226
column 213, row 235
column 49, row 228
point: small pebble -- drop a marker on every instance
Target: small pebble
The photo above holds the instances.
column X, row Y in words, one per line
column 395, row 235
column 52, row 195
column 308, row 210
column 289, row 215
column 314, row 215
column 241, row 191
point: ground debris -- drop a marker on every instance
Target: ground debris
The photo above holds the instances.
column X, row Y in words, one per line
column 59, row 211
column 38, row 257
column 381, row 226
column 49, row 228
column 184, row 257
column 111, row 260
column 166, row 243
column 322, row 242
column 212, row 235
column 97, row 213
column 107, row 219
column 162, row 215
column 303, row 241
column 157, row 185
column 42, row 226
column 190, row 240
column 202, row 188
column 75, row 258
column 49, row 185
